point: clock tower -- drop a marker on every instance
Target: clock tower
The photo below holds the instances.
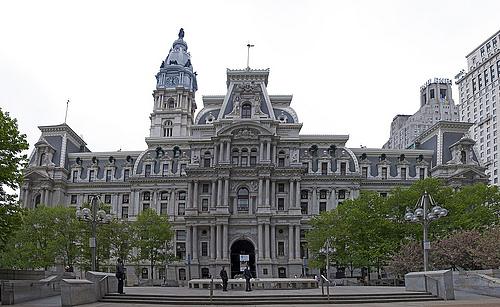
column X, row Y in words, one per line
column 174, row 96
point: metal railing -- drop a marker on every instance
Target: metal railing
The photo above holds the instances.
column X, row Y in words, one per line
column 436, row 282
column 323, row 280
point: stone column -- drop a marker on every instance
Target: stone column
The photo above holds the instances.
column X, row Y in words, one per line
column 273, row 159
column 226, row 192
column 266, row 201
column 212, row 242
column 189, row 194
column 228, row 152
column 259, row 196
column 315, row 209
column 219, row 192
column 290, row 242
column 267, row 248
column 188, row 242
column 273, row 241
column 219, row 241
column 268, row 151
column 195, row 195
column 214, row 194
column 171, row 203
column 297, row 195
column 261, row 152
column 221, row 151
column 297, row 242
column 216, row 153
column 259, row 241
column 273, row 194
column 290, row 194
column 224, row 240
column 195, row 242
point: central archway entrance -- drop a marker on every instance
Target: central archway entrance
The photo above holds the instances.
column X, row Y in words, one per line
column 242, row 247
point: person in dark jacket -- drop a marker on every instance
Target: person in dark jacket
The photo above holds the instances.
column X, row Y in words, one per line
column 223, row 276
column 248, row 275
column 120, row 274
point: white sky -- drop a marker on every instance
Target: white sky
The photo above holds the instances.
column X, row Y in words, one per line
column 351, row 65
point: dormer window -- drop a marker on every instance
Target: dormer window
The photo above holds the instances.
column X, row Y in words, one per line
column 147, row 171
column 246, row 110
column 463, row 157
column 42, row 158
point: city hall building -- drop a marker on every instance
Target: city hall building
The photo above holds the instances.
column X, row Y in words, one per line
column 236, row 178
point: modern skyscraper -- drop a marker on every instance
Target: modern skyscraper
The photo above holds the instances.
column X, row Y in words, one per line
column 479, row 90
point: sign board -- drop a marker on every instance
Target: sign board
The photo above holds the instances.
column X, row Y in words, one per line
column 244, row 262
column 427, row 245
column 244, row 258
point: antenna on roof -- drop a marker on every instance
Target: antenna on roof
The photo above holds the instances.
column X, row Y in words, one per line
column 248, row 55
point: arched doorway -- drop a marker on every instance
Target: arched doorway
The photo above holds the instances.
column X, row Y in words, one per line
column 242, row 247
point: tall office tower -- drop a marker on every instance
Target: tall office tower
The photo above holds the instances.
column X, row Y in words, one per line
column 479, row 89
column 436, row 104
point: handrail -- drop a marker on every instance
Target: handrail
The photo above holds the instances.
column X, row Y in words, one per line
column 323, row 279
column 105, row 277
column 437, row 284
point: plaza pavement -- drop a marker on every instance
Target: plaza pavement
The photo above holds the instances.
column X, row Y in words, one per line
column 463, row 299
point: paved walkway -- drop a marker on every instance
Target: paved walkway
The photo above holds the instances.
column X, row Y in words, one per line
column 463, row 299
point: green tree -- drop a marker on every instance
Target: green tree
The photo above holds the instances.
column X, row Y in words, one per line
column 152, row 233
column 12, row 161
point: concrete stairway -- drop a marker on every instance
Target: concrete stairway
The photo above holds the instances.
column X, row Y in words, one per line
column 267, row 299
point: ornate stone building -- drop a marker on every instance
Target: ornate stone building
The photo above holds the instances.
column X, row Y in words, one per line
column 236, row 179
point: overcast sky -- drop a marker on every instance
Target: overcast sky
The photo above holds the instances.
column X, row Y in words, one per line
column 350, row 65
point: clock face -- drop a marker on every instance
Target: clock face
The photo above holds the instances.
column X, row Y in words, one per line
column 171, row 81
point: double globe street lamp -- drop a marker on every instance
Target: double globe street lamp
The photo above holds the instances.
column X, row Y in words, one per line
column 93, row 216
column 423, row 215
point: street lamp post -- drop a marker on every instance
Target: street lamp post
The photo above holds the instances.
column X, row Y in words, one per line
column 94, row 217
column 327, row 250
column 424, row 216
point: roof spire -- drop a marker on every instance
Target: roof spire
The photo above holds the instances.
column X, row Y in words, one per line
column 248, row 55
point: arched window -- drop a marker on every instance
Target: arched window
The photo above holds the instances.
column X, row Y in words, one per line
column 235, row 156
column 171, row 103
column 167, row 128
column 206, row 159
column 281, row 158
column 463, row 157
column 42, row 158
column 38, row 199
column 246, row 110
column 243, row 200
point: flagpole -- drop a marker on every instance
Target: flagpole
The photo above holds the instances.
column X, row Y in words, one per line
column 66, row 115
column 248, row 55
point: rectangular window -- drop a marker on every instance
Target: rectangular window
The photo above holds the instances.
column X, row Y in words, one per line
column 235, row 160
column 253, row 160
column 126, row 174
column 145, row 206
column 204, row 249
column 164, row 170
column 163, row 208
column 364, row 172
column 473, row 85
column 492, row 73
column 384, row 172
column 303, row 250
column 343, row 167
column 341, row 194
column 125, row 198
column 75, row 176
column 108, row 175
column 147, row 171
column 403, row 173
column 281, row 249
column 486, row 80
column 206, row 162
column 281, row 204
column 91, row 175
column 304, row 208
column 164, row 196
column 124, row 212
column 422, row 173
column 244, row 161
column 281, row 188
column 182, row 195
column 479, row 81
column 205, row 188
column 281, row 162
column 304, row 194
column 383, row 194
column 181, row 209
column 324, row 168
column 180, row 250
column 107, row 199
column 144, row 273
column 204, row 204
column 183, row 169
column 432, row 94
column 73, row 199
column 180, row 235
column 442, row 93
column 322, row 206
column 322, row 194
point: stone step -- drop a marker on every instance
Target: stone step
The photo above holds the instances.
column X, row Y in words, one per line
column 268, row 299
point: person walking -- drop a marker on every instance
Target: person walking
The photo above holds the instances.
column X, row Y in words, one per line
column 223, row 276
column 120, row 274
column 248, row 275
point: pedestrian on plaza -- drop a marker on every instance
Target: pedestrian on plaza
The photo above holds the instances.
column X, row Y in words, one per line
column 223, row 276
column 248, row 275
column 120, row 274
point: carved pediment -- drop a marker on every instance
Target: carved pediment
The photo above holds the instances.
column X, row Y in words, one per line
column 245, row 133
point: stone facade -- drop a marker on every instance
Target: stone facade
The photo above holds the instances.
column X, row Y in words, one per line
column 236, row 179
column 479, row 91
column 436, row 104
